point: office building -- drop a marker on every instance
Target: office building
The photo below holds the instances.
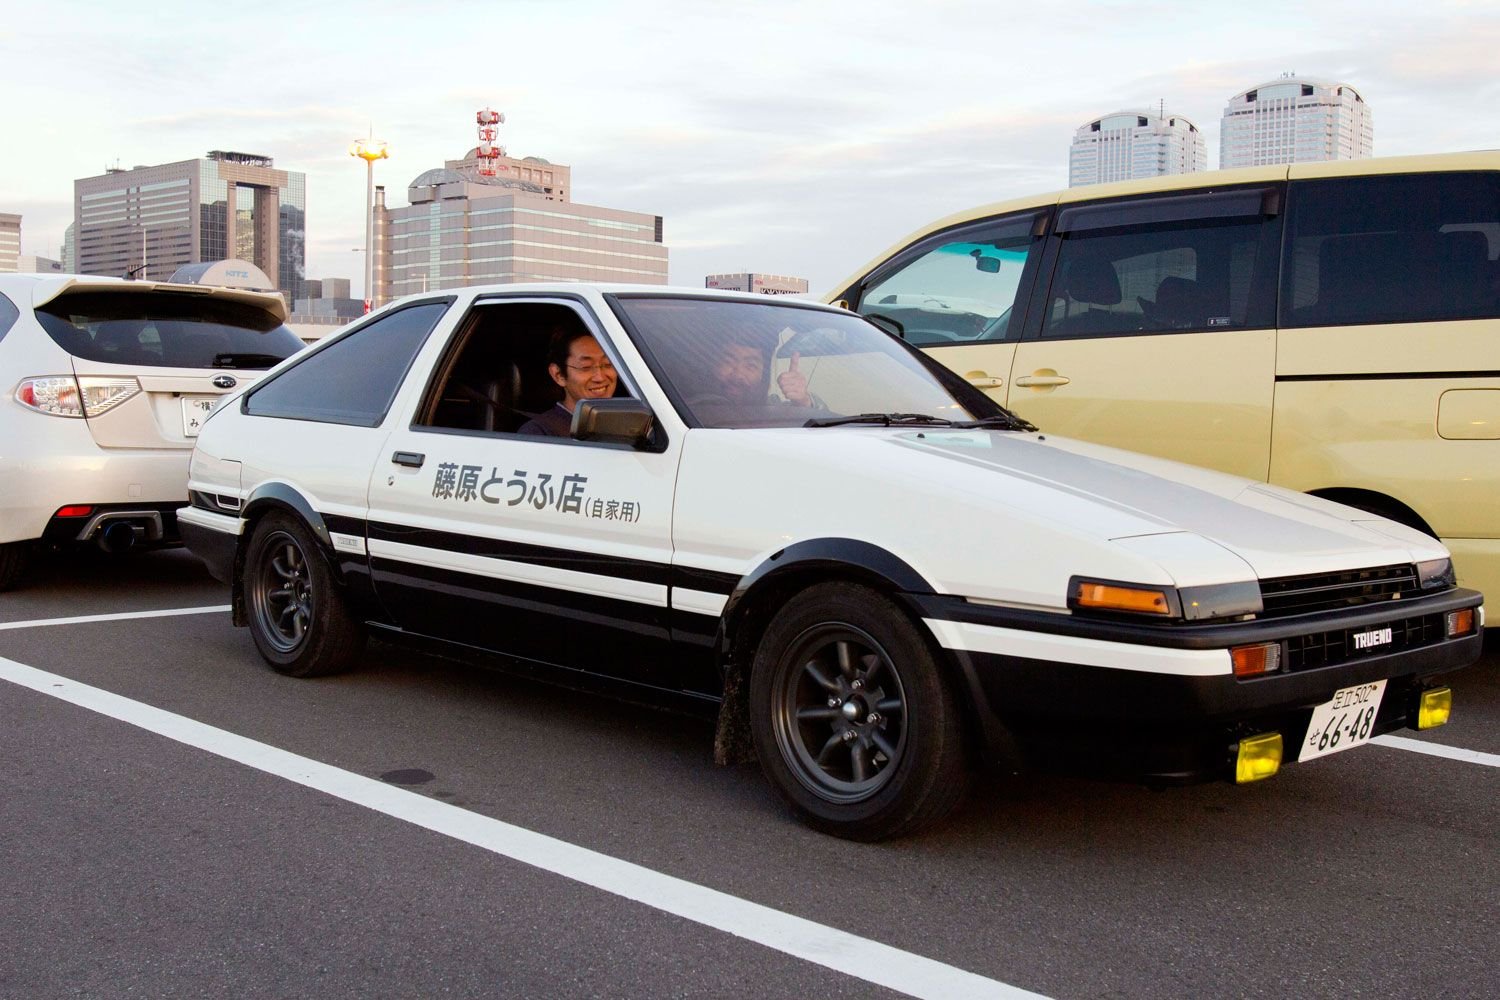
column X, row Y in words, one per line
column 10, row 241
column 1293, row 120
column 327, row 288
column 1129, row 144
column 151, row 220
column 469, row 222
column 765, row 284
column 30, row 263
column 69, row 253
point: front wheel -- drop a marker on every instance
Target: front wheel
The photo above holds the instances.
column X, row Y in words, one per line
column 297, row 613
column 853, row 721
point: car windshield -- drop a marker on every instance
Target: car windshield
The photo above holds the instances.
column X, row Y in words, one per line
column 166, row 330
column 731, row 363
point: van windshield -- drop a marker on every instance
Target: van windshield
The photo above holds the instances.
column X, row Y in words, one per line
column 166, row 331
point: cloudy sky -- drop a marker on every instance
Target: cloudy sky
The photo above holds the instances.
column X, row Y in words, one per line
column 786, row 137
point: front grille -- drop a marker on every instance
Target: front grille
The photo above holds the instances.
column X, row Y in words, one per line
column 1325, row 649
column 1296, row 595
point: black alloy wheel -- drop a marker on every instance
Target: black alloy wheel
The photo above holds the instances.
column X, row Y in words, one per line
column 297, row 613
column 853, row 720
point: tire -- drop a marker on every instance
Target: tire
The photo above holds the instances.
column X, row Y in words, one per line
column 298, row 616
column 836, row 657
column 13, row 556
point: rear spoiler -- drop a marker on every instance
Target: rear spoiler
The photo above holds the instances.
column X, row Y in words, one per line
column 271, row 302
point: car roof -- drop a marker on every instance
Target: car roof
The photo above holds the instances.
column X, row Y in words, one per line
column 39, row 289
column 613, row 288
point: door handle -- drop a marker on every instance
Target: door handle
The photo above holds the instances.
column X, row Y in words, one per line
column 1046, row 378
column 410, row 459
column 984, row 380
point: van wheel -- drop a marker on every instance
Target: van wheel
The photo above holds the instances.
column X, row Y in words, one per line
column 853, row 721
column 298, row 617
column 13, row 557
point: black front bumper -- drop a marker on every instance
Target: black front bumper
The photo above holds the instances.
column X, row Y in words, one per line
column 215, row 548
column 1173, row 728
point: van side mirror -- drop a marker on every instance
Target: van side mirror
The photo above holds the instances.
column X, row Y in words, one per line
column 622, row 421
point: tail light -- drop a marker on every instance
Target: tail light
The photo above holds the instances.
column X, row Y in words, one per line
column 67, row 396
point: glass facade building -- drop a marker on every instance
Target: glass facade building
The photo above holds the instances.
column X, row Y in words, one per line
column 1127, row 145
column 1292, row 120
column 151, row 220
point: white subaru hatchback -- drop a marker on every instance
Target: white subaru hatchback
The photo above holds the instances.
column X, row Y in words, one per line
column 106, row 383
column 876, row 573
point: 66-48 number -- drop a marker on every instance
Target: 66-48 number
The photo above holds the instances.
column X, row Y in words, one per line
column 1337, row 732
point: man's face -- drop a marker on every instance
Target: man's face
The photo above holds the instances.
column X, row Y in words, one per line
column 741, row 373
column 589, row 373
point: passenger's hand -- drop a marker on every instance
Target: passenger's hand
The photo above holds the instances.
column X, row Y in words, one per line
column 793, row 384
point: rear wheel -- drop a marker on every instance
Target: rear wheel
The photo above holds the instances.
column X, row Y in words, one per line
column 12, row 562
column 298, row 617
column 853, row 721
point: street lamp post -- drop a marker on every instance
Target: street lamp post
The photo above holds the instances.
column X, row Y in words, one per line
column 369, row 150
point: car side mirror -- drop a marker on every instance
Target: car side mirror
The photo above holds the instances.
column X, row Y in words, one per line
column 622, row 421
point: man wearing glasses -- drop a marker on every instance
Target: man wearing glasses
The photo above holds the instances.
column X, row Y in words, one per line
column 579, row 365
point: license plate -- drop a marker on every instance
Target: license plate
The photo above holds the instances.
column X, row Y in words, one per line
column 195, row 410
column 1346, row 720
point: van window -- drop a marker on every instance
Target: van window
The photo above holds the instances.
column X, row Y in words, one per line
column 1213, row 272
column 961, row 286
column 1401, row 248
column 354, row 379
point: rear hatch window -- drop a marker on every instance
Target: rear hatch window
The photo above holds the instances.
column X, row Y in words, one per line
column 167, row 331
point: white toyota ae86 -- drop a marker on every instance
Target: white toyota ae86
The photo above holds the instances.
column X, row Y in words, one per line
column 880, row 576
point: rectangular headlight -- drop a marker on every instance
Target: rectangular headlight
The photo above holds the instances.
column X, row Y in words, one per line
column 1436, row 574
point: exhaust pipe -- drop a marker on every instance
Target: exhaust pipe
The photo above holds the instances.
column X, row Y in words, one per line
column 118, row 537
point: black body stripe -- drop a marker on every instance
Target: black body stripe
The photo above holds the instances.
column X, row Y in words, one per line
column 1383, row 376
column 619, row 567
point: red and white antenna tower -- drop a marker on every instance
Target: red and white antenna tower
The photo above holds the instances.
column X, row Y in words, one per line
column 488, row 153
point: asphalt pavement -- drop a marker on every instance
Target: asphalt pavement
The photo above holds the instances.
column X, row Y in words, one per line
column 140, row 863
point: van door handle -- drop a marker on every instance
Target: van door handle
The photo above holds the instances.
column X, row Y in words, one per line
column 410, row 459
column 984, row 380
column 1042, row 379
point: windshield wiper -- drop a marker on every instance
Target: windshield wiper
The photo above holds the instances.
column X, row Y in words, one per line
column 246, row 360
column 884, row 419
column 1006, row 421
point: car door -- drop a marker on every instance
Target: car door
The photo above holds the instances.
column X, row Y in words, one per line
column 546, row 548
column 1156, row 332
column 961, row 295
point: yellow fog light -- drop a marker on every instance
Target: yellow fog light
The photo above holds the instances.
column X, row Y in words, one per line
column 1434, row 708
column 1259, row 758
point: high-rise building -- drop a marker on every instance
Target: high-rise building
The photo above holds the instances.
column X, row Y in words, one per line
column 1130, row 144
column 470, row 222
column 69, row 251
column 765, row 284
column 10, row 241
column 1293, row 120
column 152, row 220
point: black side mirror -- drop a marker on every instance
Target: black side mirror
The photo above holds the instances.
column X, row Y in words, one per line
column 622, row 421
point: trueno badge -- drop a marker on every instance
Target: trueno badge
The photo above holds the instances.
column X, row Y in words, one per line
column 1371, row 639
column 225, row 381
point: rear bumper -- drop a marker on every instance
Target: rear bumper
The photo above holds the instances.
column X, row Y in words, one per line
column 1163, row 705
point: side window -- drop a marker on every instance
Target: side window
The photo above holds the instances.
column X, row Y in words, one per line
column 8, row 315
column 1402, row 248
column 959, row 287
column 1161, row 265
column 518, row 367
column 354, row 379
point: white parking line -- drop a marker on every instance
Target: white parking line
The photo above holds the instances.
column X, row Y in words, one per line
column 1438, row 750
column 123, row 616
column 850, row 954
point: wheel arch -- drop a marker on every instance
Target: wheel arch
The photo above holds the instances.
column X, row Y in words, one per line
column 1376, row 503
column 265, row 499
column 760, row 593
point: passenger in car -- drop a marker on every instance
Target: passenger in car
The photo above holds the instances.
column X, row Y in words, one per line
column 740, row 374
column 580, row 367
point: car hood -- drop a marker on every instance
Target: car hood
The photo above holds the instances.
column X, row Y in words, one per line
column 1004, row 498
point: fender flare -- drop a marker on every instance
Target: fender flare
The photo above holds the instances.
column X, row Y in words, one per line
column 262, row 499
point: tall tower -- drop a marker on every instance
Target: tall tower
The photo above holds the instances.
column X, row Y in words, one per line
column 1129, row 144
column 487, row 153
column 1294, row 120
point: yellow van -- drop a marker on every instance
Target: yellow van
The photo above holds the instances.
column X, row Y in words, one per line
column 1329, row 327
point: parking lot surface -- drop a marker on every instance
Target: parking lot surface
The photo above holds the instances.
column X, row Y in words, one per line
column 145, row 864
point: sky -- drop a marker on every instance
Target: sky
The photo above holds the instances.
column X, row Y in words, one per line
column 799, row 138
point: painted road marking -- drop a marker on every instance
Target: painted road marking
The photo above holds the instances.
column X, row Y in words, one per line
column 829, row 947
column 1438, row 750
column 124, row 616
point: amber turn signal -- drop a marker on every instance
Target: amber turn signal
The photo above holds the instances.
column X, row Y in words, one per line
column 1109, row 597
column 1252, row 661
column 1460, row 622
